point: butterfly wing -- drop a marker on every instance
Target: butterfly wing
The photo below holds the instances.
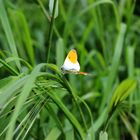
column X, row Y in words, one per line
column 71, row 62
column 71, row 65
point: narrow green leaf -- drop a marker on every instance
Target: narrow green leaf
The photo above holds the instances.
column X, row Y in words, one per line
column 54, row 117
column 130, row 60
column 69, row 115
column 59, row 52
column 8, row 31
column 131, row 87
column 7, row 81
column 115, row 63
column 129, row 126
column 69, row 130
column 122, row 91
column 99, row 2
column 8, row 67
column 54, row 134
column 22, row 98
column 50, row 32
column 11, row 89
column 100, row 120
column 23, row 31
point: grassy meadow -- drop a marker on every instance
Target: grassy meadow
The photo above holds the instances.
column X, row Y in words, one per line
column 38, row 101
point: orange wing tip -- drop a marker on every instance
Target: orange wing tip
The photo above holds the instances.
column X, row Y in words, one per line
column 72, row 56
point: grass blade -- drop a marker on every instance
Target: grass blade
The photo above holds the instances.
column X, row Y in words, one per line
column 59, row 52
column 115, row 64
column 21, row 23
column 23, row 96
column 8, row 32
column 54, row 134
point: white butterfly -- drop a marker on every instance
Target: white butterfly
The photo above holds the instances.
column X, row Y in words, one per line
column 71, row 64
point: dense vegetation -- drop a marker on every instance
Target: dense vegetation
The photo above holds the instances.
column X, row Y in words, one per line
column 37, row 101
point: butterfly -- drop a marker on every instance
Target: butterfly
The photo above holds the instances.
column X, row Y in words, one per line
column 71, row 64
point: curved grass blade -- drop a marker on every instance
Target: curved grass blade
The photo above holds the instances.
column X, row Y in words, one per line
column 19, row 22
column 99, row 2
column 11, row 90
column 115, row 64
column 122, row 92
column 9, row 68
column 22, row 98
column 69, row 115
column 54, row 134
column 8, row 32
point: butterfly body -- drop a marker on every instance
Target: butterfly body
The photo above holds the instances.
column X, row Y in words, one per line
column 71, row 64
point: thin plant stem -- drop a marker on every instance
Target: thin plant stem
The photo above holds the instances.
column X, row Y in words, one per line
column 50, row 31
column 44, row 10
column 46, row 14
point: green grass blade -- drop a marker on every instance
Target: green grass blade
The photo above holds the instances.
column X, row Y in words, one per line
column 129, row 126
column 8, row 32
column 8, row 67
column 122, row 92
column 50, row 33
column 55, row 118
column 99, row 121
column 130, row 60
column 115, row 63
column 21, row 23
column 54, row 134
column 11, row 90
column 59, row 52
column 69, row 131
column 99, row 2
column 23, row 96
column 69, row 115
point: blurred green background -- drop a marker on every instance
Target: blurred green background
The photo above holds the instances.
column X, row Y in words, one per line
column 39, row 102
